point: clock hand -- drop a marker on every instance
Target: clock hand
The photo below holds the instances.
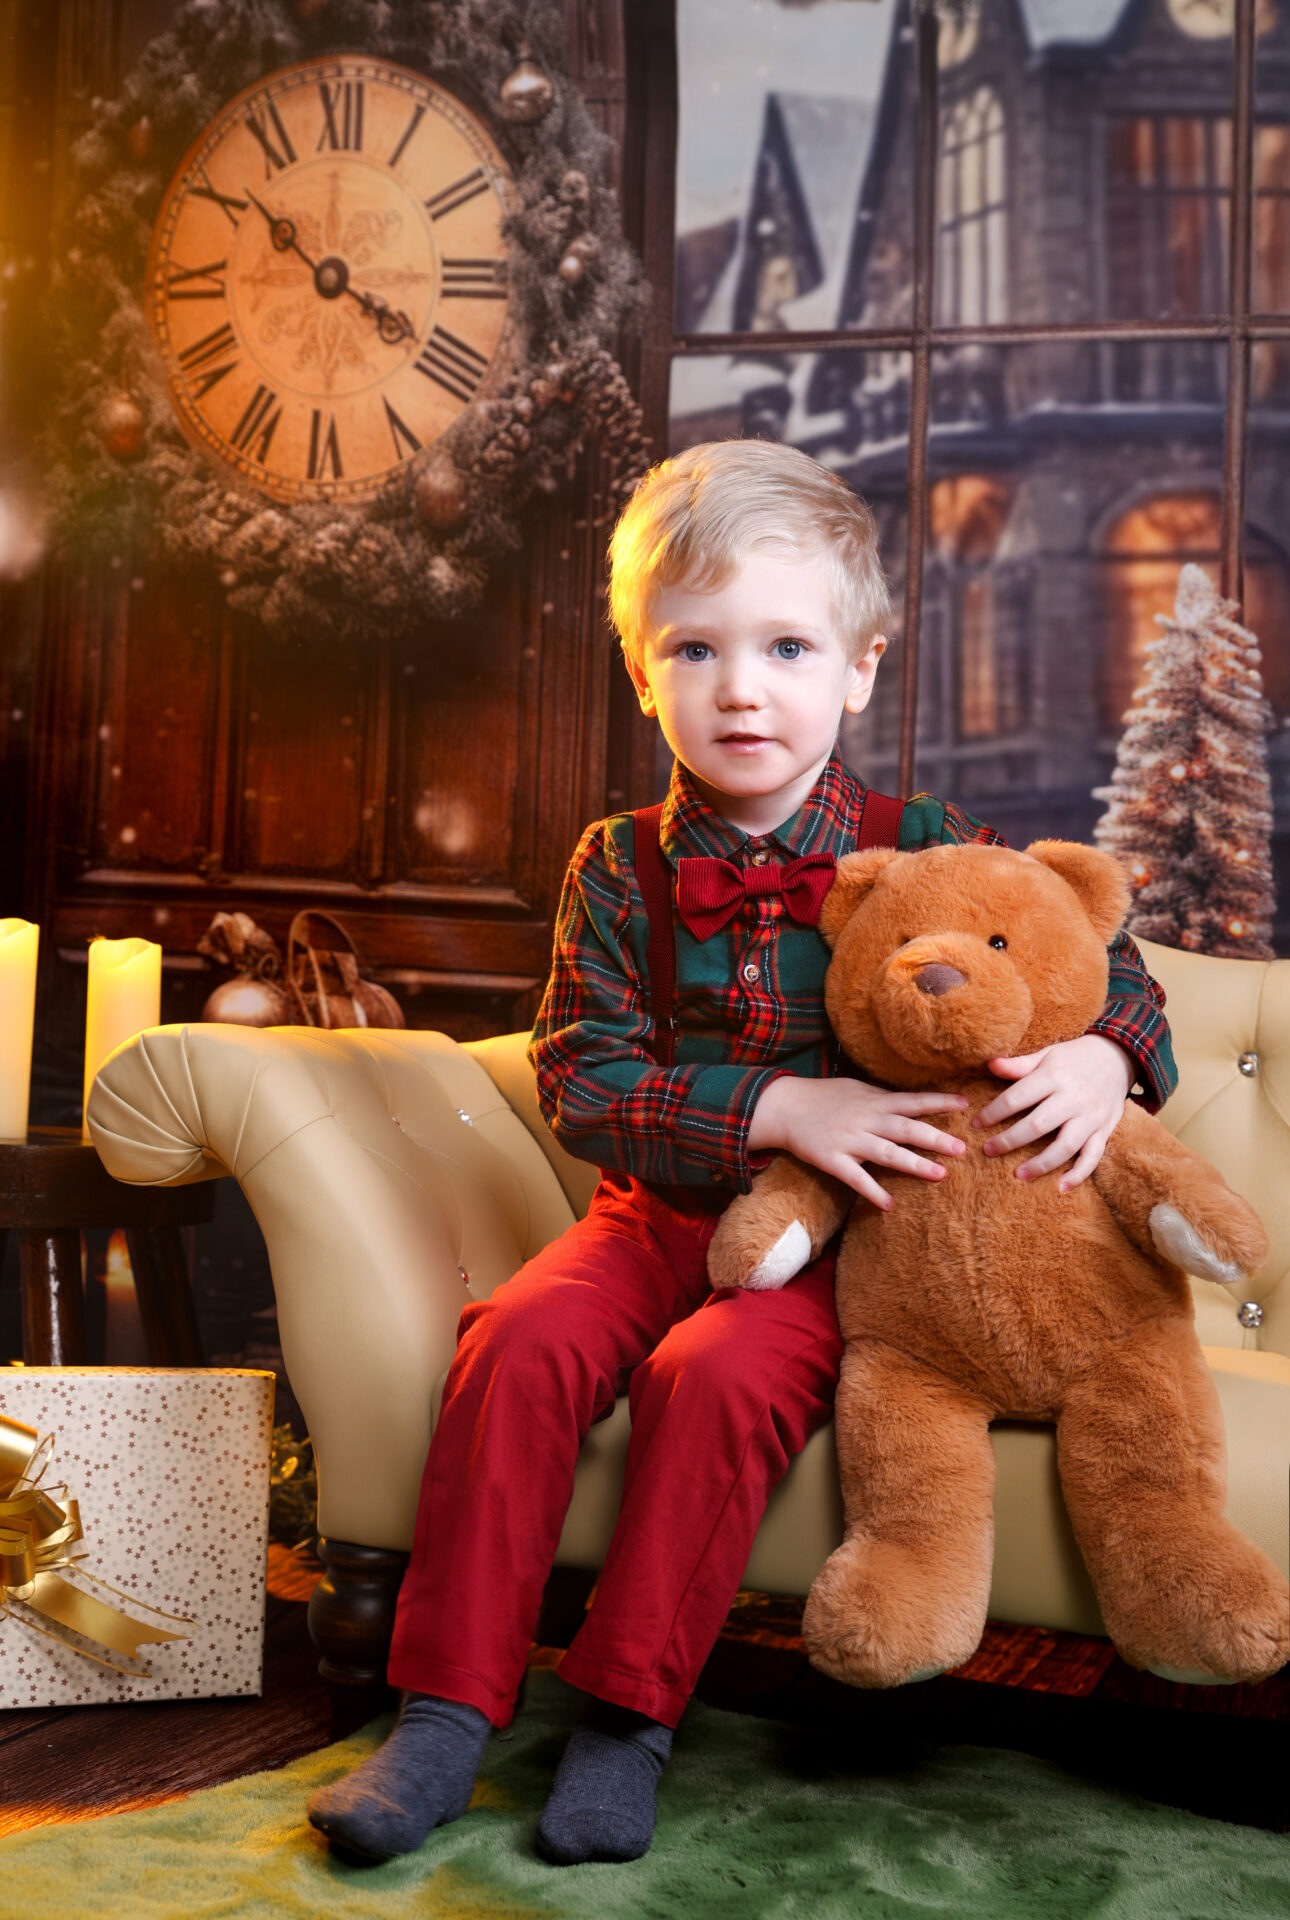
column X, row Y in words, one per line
column 282, row 232
column 392, row 323
column 331, row 278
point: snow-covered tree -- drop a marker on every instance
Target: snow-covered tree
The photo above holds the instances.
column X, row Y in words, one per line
column 1190, row 805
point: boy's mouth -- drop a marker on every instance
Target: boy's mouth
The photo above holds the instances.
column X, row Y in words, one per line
column 745, row 740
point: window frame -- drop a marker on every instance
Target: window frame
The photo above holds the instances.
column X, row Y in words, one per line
column 652, row 37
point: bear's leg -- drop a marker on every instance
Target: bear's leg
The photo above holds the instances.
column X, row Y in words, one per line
column 905, row 1594
column 1142, row 1457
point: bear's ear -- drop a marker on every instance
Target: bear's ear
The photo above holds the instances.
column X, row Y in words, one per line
column 856, row 874
column 1096, row 878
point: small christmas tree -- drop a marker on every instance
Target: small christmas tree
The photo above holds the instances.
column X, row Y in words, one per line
column 1190, row 804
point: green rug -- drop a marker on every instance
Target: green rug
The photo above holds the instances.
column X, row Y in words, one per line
column 757, row 1822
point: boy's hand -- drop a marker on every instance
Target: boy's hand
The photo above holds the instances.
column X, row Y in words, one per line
column 1074, row 1090
column 836, row 1125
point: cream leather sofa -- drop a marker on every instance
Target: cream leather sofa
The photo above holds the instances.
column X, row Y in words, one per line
column 394, row 1175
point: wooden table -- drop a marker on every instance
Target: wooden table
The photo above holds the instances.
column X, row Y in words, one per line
column 53, row 1184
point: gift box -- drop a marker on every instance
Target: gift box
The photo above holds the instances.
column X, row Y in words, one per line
column 148, row 1494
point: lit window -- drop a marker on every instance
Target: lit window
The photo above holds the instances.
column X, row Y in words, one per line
column 967, row 516
column 972, row 281
column 1145, row 551
column 1166, row 215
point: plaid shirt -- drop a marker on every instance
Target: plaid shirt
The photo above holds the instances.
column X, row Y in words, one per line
column 749, row 1002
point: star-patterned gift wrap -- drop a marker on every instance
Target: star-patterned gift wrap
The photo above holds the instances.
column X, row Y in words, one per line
column 170, row 1470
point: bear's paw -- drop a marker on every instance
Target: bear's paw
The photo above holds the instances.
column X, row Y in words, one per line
column 787, row 1257
column 1177, row 1240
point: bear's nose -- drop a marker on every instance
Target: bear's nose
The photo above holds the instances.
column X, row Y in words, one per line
column 938, row 979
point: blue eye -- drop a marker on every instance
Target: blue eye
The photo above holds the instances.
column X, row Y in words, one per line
column 788, row 649
column 694, row 650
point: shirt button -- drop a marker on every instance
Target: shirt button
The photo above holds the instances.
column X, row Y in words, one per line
column 752, row 973
column 761, row 856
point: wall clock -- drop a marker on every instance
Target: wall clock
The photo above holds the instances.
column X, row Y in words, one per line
column 333, row 303
column 328, row 279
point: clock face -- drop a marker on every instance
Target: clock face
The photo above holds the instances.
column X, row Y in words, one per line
column 327, row 280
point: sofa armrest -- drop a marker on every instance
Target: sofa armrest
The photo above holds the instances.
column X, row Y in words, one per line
column 375, row 1199
column 505, row 1060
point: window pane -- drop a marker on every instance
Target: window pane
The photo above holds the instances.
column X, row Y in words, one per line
column 835, row 406
column 1270, row 236
column 1066, row 488
column 1110, row 195
column 1266, row 607
column 778, row 166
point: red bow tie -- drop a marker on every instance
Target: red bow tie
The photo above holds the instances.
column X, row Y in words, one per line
column 711, row 892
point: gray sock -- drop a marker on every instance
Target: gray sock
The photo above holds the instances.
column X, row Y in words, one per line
column 421, row 1778
column 602, row 1803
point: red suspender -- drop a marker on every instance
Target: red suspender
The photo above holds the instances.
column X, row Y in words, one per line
column 879, row 821
column 879, row 827
column 655, row 881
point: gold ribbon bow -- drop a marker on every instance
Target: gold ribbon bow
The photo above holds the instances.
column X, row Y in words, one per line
column 37, row 1532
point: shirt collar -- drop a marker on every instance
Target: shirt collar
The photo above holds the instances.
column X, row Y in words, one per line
column 826, row 822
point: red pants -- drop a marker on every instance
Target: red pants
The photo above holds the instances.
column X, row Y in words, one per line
column 725, row 1388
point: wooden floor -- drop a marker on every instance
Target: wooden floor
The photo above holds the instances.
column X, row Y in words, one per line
column 1220, row 1751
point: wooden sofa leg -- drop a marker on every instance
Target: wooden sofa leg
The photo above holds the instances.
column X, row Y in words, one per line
column 351, row 1620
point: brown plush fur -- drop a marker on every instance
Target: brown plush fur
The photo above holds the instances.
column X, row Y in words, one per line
column 985, row 1297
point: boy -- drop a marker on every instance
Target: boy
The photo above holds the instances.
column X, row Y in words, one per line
column 748, row 594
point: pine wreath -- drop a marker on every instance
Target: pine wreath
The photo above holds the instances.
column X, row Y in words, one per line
column 121, row 476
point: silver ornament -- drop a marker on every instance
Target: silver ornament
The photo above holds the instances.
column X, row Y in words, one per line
column 526, row 93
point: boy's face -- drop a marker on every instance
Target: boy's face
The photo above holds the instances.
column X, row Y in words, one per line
column 749, row 682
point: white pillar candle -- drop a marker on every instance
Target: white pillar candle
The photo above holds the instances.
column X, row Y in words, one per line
column 18, row 942
column 123, row 997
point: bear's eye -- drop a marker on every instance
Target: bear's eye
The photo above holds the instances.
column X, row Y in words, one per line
column 997, row 940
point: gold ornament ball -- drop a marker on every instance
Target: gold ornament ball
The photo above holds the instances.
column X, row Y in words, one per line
column 572, row 268
column 121, row 426
column 526, row 93
column 139, row 138
column 440, row 495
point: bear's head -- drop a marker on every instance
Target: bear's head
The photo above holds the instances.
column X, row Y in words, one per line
column 944, row 959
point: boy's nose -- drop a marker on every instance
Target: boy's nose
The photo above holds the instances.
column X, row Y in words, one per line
column 739, row 690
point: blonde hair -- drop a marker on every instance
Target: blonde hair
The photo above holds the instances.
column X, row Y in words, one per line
column 694, row 517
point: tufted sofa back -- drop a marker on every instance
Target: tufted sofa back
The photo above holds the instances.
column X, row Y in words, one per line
column 1231, row 1027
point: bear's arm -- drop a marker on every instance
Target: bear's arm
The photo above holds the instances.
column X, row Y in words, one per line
column 765, row 1237
column 1175, row 1206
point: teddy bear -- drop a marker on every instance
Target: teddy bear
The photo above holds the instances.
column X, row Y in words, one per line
column 983, row 1297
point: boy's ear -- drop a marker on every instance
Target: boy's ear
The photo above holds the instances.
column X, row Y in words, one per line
column 857, row 874
column 1096, row 878
column 640, row 680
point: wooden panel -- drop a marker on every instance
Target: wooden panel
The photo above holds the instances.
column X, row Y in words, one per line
column 154, row 732
column 299, row 801
column 464, row 694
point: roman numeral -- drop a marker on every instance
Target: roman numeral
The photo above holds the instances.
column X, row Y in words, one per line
column 408, row 132
column 213, row 346
column 225, row 200
column 401, row 433
column 473, row 279
column 451, row 364
column 254, row 430
column 324, row 449
column 209, row 285
column 274, row 161
column 457, row 194
column 343, row 128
